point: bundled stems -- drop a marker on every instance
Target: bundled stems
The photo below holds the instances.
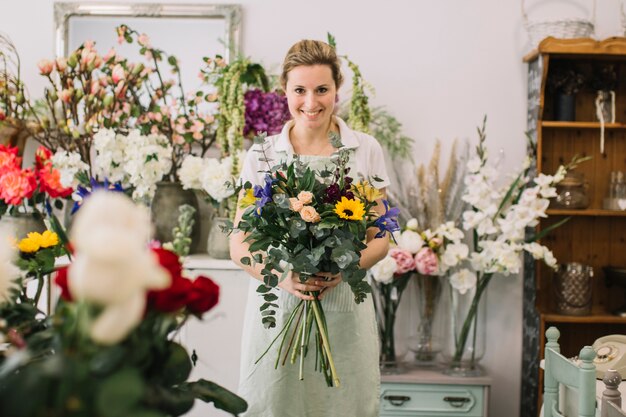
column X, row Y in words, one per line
column 472, row 315
column 305, row 314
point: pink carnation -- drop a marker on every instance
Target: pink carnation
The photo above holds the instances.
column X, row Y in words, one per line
column 404, row 260
column 16, row 185
column 427, row 262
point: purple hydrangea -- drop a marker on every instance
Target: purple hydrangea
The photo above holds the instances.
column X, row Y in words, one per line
column 265, row 112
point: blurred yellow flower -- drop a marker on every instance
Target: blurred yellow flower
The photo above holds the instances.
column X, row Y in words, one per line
column 48, row 239
column 248, row 199
column 367, row 191
column 350, row 209
column 35, row 241
column 28, row 244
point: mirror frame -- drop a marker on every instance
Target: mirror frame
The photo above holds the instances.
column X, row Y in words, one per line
column 231, row 13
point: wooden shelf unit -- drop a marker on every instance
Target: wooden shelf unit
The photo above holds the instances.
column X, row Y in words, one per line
column 593, row 236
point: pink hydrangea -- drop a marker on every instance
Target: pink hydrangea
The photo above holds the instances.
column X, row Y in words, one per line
column 427, row 262
column 403, row 259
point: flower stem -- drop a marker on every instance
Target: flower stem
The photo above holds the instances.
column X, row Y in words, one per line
column 322, row 330
column 471, row 317
column 40, row 282
column 285, row 327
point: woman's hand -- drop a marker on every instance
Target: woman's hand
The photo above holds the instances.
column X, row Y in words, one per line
column 327, row 281
column 294, row 286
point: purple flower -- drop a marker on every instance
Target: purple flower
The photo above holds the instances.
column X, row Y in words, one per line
column 265, row 112
column 388, row 222
column 332, row 193
column 263, row 193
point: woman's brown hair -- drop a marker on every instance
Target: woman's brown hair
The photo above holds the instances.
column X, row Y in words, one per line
column 310, row 52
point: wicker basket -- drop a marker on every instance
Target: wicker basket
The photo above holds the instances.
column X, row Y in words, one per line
column 563, row 28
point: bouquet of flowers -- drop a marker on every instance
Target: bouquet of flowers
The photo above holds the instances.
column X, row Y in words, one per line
column 497, row 221
column 25, row 190
column 135, row 161
column 307, row 221
column 424, row 256
column 109, row 348
column 212, row 176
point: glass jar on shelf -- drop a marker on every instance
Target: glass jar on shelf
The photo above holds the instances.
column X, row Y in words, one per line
column 616, row 196
column 571, row 192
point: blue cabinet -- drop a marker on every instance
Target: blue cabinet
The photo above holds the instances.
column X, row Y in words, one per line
column 428, row 393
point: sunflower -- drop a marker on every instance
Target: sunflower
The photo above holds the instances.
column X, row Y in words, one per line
column 350, row 209
column 48, row 239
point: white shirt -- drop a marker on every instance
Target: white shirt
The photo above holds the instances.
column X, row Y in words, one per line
column 367, row 158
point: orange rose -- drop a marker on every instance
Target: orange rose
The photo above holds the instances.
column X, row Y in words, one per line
column 309, row 214
column 305, row 197
column 295, row 204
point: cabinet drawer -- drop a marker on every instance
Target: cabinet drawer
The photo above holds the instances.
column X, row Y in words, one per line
column 431, row 400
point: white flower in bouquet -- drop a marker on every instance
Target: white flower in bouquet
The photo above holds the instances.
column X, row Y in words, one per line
column 410, row 240
column 69, row 164
column 412, row 224
column 190, row 172
column 383, row 270
column 109, row 161
column 147, row 160
column 454, row 253
column 215, row 176
column 8, row 271
column 113, row 266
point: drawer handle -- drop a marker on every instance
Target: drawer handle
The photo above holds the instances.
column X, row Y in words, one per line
column 456, row 402
column 396, row 400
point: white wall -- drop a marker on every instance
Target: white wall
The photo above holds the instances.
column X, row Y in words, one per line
column 438, row 66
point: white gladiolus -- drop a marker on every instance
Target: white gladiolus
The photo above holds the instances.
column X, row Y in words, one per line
column 454, row 253
column 463, row 280
column 8, row 271
column 112, row 266
column 383, row 271
column 410, row 241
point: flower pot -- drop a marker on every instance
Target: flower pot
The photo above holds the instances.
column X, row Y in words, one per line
column 218, row 241
column 24, row 223
column 169, row 196
column 429, row 340
column 466, row 334
column 565, row 107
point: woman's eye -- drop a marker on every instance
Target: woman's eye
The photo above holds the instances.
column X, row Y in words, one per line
column 322, row 90
column 299, row 90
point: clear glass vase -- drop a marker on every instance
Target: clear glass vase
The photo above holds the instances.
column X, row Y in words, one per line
column 428, row 342
column 466, row 333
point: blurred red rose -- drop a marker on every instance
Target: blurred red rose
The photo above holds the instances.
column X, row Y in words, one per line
column 204, row 295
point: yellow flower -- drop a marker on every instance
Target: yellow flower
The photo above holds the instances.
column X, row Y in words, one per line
column 350, row 209
column 48, row 239
column 29, row 244
column 367, row 191
column 248, row 199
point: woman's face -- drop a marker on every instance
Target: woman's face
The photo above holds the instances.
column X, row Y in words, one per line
column 311, row 93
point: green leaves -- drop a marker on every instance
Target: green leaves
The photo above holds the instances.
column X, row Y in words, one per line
column 223, row 399
column 120, row 393
column 177, row 366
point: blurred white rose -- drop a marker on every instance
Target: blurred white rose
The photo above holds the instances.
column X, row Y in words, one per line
column 113, row 266
column 8, row 271
column 383, row 271
column 412, row 224
column 410, row 241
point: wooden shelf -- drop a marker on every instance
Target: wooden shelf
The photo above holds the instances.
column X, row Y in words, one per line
column 580, row 125
column 593, row 318
column 586, row 212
